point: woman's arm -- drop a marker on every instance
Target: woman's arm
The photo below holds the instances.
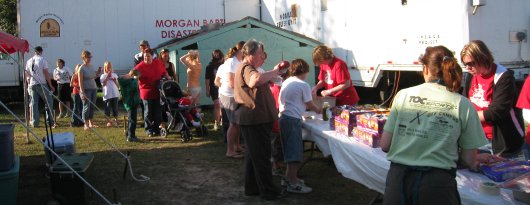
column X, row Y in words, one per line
column 231, row 77
column 217, row 81
column 174, row 73
column 337, row 88
column 81, row 86
column 386, row 141
column 503, row 99
column 184, row 60
column 317, row 87
column 311, row 105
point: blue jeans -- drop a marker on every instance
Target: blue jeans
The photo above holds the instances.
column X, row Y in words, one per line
column 132, row 117
column 77, row 110
column 88, row 108
column 152, row 116
column 37, row 92
column 111, row 105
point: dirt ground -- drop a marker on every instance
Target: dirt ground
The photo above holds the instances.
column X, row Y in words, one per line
column 180, row 173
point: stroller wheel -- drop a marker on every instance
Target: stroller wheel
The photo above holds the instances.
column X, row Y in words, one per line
column 163, row 132
column 185, row 135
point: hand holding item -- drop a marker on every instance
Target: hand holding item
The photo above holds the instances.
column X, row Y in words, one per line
column 325, row 93
column 283, row 66
column 485, row 158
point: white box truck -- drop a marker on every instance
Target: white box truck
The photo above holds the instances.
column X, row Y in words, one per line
column 377, row 39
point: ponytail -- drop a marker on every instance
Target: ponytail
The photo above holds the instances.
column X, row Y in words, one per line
column 232, row 52
column 451, row 74
column 441, row 62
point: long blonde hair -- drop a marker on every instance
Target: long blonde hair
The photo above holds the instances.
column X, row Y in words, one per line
column 106, row 66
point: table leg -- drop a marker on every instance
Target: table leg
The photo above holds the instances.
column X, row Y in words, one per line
column 377, row 199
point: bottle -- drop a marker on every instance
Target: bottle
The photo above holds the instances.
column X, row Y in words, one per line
column 325, row 114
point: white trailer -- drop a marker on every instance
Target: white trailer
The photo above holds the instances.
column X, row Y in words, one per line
column 374, row 36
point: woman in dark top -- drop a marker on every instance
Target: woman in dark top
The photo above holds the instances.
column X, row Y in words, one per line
column 212, row 90
column 170, row 68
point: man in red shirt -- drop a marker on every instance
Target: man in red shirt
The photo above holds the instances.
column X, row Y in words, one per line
column 334, row 77
column 150, row 71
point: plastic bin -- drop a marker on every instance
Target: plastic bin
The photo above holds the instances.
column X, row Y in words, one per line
column 64, row 143
column 9, row 184
column 66, row 186
column 7, row 153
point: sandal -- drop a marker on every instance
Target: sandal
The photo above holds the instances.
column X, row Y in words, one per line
column 235, row 156
column 86, row 127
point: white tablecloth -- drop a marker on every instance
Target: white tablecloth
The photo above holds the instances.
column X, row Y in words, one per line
column 369, row 166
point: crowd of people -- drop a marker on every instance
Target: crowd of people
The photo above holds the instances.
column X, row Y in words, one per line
column 261, row 111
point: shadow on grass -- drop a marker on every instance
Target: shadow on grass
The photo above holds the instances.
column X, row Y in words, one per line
column 186, row 175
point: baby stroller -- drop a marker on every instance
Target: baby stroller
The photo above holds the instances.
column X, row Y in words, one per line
column 170, row 94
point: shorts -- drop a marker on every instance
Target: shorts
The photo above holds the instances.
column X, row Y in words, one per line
column 229, row 105
column 65, row 92
column 291, row 134
column 195, row 92
column 214, row 93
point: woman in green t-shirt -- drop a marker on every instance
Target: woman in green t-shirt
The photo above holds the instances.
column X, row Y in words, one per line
column 430, row 126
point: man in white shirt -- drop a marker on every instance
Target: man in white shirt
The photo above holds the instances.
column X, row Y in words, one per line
column 40, row 87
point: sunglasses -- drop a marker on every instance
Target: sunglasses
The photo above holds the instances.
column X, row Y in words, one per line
column 470, row 64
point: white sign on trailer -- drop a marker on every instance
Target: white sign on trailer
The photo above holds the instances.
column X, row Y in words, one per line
column 111, row 30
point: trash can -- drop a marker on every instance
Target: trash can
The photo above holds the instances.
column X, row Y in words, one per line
column 67, row 188
column 9, row 184
column 7, row 153
column 64, row 143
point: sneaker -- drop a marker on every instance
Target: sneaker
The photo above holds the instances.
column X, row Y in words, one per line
column 299, row 188
column 215, row 126
column 132, row 139
column 195, row 124
column 283, row 181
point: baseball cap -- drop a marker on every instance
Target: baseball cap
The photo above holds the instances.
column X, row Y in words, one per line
column 144, row 42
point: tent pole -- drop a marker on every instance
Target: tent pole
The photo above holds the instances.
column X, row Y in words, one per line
column 25, row 87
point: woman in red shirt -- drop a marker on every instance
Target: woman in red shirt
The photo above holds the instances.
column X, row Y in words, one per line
column 491, row 89
column 334, row 77
column 150, row 71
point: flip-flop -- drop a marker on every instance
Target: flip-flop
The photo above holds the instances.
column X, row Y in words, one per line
column 235, row 156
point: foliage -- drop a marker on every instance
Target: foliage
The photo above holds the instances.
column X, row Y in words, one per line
column 8, row 16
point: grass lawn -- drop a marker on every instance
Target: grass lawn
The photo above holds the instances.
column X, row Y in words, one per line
column 196, row 172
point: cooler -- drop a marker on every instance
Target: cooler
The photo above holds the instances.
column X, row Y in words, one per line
column 9, row 184
column 64, row 143
column 7, row 153
column 66, row 186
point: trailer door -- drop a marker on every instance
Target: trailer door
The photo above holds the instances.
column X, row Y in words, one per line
column 9, row 72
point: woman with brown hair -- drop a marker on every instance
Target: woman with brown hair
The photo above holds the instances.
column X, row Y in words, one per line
column 87, row 87
column 224, row 79
column 427, row 126
column 334, row 77
column 492, row 91
column 212, row 91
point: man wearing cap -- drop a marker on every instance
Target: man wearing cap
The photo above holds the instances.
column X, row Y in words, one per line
column 40, row 86
column 139, row 57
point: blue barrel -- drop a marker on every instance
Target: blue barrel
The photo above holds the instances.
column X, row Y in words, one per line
column 7, row 151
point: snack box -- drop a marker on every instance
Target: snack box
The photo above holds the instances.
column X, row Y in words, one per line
column 350, row 116
column 505, row 170
column 343, row 127
column 375, row 122
column 367, row 137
